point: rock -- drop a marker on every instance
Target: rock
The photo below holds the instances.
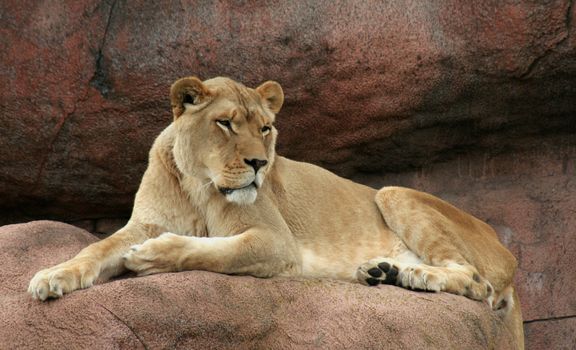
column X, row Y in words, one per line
column 552, row 334
column 414, row 83
column 199, row 310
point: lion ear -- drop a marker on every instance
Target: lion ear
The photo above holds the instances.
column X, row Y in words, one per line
column 272, row 93
column 187, row 91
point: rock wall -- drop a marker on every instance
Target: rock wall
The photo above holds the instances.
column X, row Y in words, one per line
column 472, row 101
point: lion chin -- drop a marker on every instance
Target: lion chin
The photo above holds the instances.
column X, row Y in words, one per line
column 243, row 196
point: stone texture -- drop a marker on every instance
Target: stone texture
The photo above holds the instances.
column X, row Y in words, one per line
column 202, row 310
column 88, row 225
column 470, row 100
column 414, row 82
column 552, row 334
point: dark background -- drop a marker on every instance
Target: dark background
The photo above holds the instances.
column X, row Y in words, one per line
column 474, row 101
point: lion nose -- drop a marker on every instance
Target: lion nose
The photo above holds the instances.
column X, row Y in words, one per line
column 256, row 163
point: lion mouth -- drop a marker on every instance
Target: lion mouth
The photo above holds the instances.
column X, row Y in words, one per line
column 228, row 190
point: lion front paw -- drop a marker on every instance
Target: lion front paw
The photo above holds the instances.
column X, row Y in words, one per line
column 155, row 255
column 56, row 281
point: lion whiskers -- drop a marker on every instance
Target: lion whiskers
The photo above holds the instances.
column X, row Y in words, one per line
column 205, row 186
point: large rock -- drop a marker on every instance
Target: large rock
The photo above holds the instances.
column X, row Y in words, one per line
column 202, row 310
column 371, row 87
column 552, row 334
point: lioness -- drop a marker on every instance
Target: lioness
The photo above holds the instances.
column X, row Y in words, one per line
column 216, row 197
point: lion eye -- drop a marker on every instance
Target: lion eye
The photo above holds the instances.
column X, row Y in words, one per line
column 266, row 130
column 225, row 123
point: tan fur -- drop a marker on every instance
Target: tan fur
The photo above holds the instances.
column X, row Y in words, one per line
column 229, row 204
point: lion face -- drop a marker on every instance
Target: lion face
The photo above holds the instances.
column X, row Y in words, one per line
column 224, row 134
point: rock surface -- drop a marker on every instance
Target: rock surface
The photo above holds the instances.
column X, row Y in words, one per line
column 202, row 310
column 472, row 101
column 552, row 334
column 413, row 82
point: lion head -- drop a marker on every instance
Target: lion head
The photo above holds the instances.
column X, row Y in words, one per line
column 225, row 134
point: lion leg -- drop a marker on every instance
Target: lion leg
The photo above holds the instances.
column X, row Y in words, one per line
column 98, row 261
column 456, row 279
column 451, row 245
column 248, row 253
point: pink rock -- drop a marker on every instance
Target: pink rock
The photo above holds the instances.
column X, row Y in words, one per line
column 552, row 334
column 370, row 87
column 199, row 310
